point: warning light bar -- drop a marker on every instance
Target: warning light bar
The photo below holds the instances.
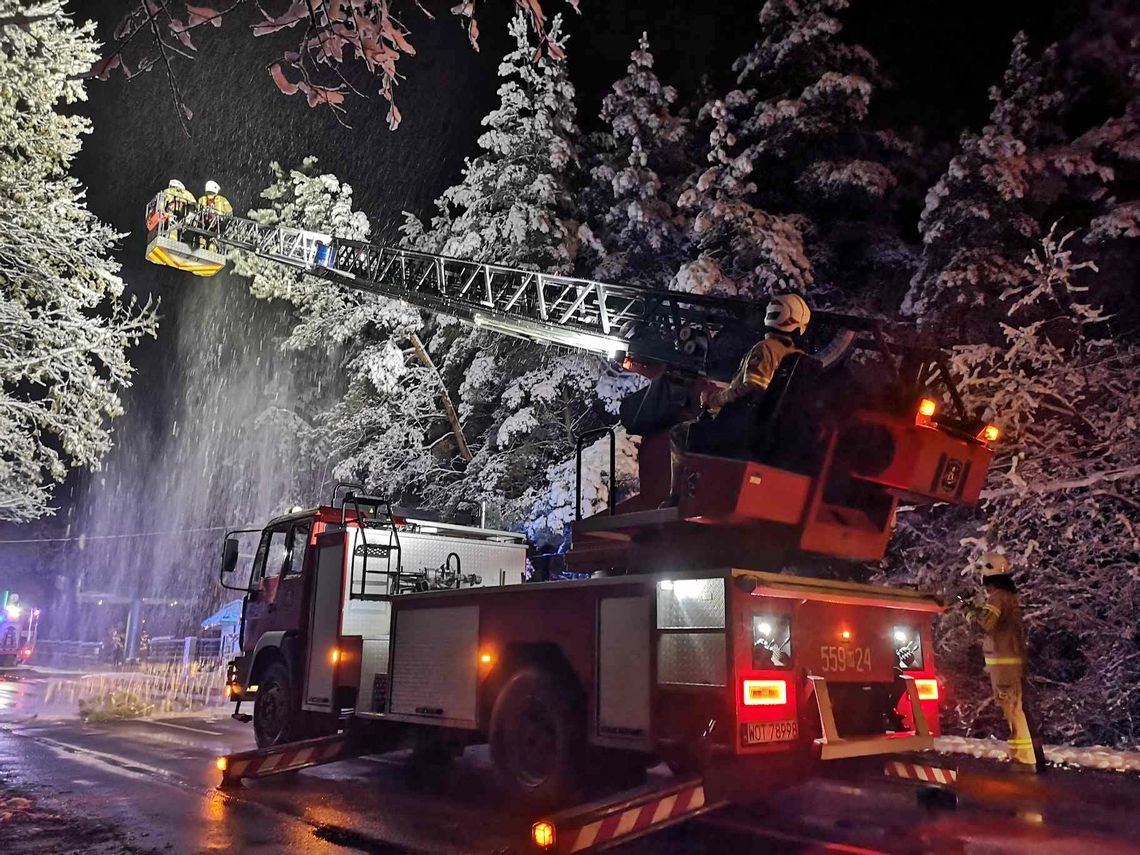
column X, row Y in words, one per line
column 765, row 693
column 927, row 689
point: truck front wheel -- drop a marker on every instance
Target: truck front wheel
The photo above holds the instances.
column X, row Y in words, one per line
column 275, row 713
column 537, row 739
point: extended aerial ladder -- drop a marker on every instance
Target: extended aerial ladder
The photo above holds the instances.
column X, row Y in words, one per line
column 701, row 334
column 840, row 503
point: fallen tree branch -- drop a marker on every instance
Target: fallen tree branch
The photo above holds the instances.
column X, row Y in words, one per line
column 444, row 397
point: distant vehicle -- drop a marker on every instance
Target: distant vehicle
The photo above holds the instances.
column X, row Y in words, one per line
column 19, row 624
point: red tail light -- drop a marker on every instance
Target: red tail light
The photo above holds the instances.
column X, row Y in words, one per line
column 765, row 693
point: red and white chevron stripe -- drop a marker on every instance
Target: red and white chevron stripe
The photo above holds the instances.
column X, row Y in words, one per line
column 915, row 772
column 637, row 819
column 266, row 763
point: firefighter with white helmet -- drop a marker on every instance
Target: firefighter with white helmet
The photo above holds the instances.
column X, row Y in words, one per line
column 176, row 199
column 213, row 203
column 786, row 318
column 1004, row 649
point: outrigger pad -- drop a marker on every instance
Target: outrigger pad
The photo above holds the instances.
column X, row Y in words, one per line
column 172, row 253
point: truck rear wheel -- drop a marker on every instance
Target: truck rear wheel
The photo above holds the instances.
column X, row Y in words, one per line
column 537, row 739
column 276, row 717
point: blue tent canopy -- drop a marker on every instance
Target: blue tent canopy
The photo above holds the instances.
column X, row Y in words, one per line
column 229, row 613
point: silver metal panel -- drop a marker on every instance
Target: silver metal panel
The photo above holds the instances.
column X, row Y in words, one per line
column 324, row 629
column 623, row 670
column 366, row 618
column 435, row 662
column 691, row 658
column 497, row 563
column 690, row 604
column 374, row 663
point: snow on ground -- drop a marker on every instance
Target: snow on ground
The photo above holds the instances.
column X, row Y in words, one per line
column 1093, row 757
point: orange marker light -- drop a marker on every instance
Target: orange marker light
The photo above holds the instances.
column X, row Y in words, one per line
column 927, row 407
column 991, row 433
column 765, row 693
column 845, row 635
column 542, row 834
column 486, row 658
column 222, row 763
column 334, row 657
column 927, row 689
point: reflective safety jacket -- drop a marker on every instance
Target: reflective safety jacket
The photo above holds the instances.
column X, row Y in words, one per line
column 217, row 202
column 1000, row 620
column 756, row 369
column 174, row 194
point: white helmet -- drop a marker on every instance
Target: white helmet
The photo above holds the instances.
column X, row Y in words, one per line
column 788, row 313
column 212, row 187
column 175, row 183
column 994, row 564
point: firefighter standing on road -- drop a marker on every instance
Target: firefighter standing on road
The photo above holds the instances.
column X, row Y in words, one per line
column 213, row 203
column 1005, row 652
column 787, row 319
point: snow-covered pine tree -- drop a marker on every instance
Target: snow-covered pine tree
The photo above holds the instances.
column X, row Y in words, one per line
column 987, row 211
column 632, row 230
column 391, row 427
column 789, row 152
column 1063, row 503
column 64, row 326
column 521, row 405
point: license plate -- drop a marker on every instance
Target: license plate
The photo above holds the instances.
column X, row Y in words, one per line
column 757, row 732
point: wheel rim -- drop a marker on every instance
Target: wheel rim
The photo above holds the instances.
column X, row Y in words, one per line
column 271, row 705
column 535, row 744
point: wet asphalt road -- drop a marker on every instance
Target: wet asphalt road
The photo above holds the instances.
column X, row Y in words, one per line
column 154, row 779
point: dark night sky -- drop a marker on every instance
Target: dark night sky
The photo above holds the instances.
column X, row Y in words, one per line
column 941, row 54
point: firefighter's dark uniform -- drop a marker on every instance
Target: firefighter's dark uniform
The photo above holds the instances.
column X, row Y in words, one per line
column 1005, row 653
column 754, row 374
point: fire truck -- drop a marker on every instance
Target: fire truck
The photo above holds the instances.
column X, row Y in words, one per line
column 366, row 627
column 18, row 627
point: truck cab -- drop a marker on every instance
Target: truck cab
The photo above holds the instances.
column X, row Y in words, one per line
column 306, row 625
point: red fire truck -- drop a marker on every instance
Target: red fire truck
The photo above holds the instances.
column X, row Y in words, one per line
column 19, row 624
column 689, row 641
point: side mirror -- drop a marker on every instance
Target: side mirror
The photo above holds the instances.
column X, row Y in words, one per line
column 229, row 555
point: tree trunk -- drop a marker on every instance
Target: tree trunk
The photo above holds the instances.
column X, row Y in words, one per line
column 445, row 399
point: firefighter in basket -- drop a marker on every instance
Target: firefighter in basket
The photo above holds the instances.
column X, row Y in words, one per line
column 1004, row 648
column 176, row 200
column 213, row 203
column 786, row 319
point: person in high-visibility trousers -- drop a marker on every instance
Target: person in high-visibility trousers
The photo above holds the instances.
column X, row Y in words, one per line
column 1005, row 652
column 213, row 203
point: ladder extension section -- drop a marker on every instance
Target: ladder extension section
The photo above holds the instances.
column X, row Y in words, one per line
column 598, row 317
